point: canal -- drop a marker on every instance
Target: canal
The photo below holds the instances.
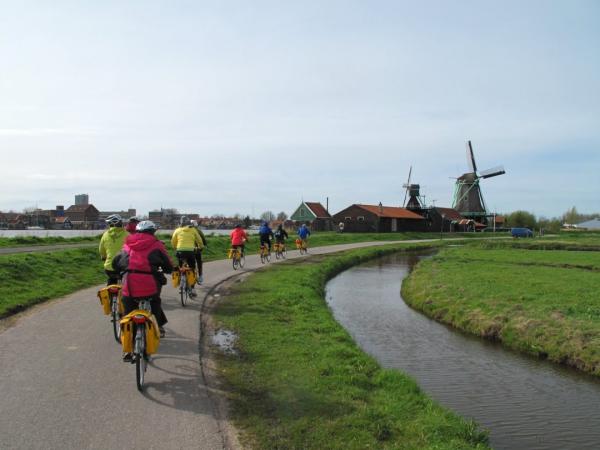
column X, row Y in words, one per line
column 525, row 403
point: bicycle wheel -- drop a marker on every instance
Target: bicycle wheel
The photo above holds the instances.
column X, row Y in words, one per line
column 283, row 253
column 268, row 256
column 140, row 359
column 262, row 256
column 115, row 318
column 242, row 260
column 235, row 262
column 183, row 292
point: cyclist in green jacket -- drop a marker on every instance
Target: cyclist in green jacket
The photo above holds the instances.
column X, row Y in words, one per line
column 111, row 244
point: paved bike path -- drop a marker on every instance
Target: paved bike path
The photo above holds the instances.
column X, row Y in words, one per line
column 63, row 384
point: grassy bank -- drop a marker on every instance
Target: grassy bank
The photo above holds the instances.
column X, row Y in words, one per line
column 298, row 380
column 27, row 279
column 542, row 302
column 22, row 241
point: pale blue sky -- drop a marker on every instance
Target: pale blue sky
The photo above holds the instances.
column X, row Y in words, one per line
column 224, row 107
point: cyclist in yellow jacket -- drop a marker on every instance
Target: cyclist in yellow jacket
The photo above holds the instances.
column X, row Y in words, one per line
column 111, row 244
column 185, row 241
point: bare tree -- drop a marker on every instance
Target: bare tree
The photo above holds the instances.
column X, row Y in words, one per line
column 267, row 216
column 282, row 216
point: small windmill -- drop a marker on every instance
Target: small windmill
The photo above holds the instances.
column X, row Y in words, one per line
column 468, row 200
column 415, row 201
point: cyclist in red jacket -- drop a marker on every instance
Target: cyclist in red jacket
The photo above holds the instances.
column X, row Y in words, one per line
column 139, row 262
column 238, row 237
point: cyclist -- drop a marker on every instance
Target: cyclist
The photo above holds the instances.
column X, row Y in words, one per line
column 185, row 240
column 130, row 227
column 280, row 235
column 198, row 251
column 265, row 234
column 238, row 237
column 111, row 243
column 139, row 262
column 303, row 233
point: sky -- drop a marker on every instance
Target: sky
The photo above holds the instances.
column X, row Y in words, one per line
column 224, row 107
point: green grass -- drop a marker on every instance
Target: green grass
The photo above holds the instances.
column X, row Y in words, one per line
column 34, row 240
column 298, row 380
column 542, row 302
column 27, row 279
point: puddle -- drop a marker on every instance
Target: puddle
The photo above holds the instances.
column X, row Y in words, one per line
column 225, row 340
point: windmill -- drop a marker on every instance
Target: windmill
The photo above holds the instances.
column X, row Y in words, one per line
column 468, row 200
column 415, row 201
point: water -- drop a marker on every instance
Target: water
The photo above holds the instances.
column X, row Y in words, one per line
column 526, row 403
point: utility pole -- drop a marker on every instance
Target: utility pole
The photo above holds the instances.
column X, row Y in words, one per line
column 442, row 228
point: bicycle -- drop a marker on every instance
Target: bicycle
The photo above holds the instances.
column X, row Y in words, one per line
column 135, row 325
column 110, row 299
column 302, row 246
column 265, row 253
column 238, row 259
column 280, row 251
column 116, row 309
column 185, row 284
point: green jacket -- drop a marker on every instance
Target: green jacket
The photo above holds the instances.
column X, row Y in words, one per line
column 110, row 245
column 186, row 238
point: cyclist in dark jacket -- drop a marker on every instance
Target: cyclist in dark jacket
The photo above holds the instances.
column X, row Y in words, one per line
column 139, row 262
column 265, row 234
column 280, row 234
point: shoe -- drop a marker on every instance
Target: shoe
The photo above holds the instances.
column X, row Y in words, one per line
column 200, row 279
column 193, row 293
column 161, row 331
column 127, row 357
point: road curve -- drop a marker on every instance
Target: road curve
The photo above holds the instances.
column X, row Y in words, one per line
column 63, row 384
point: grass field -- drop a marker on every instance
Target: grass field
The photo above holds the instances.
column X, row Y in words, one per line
column 34, row 240
column 298, row 380
column 27, row 279
column 542, row 302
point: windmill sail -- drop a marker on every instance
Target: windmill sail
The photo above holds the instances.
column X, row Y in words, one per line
column 493, row 172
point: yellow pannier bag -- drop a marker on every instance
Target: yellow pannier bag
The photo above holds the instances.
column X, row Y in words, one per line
column 128, row 330
column 152, row 337
column 230, row 253
column 104, row 297
column 176, row 276
column 127, row 327
column 190, row 277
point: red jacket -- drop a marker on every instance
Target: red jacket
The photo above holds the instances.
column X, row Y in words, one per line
column 238, row 236
column 140, row 259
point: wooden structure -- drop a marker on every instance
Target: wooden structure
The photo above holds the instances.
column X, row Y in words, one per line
column 313, row 214
column 359, row 218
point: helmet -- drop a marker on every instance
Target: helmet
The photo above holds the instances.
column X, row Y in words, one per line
column 134, row 219
column 146, row 226
column 184, row 220
column 238, row 225
column 265, row 223
column 114, row 220
column 194, row 223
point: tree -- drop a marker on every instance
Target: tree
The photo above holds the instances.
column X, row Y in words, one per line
column 247, row 221
column 520, row 219
column 282, row 216
column 267, row 216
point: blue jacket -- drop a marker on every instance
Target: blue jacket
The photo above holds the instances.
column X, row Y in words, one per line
column 303, row 232
column 265, row 230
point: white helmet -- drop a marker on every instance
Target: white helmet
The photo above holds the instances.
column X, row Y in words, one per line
column 114, row 220
column 146, row 226
column 194, row 223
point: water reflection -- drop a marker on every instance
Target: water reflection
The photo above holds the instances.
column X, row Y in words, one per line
column 524, row 402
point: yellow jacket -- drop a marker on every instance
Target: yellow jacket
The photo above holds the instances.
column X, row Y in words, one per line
column 186, row 239
column 110, row 245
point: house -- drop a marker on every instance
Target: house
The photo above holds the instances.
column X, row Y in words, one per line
column 62, row 223
column 83, row 216
column 379, row 219
column 313, row 214
column 593, row 224
column 450, row 217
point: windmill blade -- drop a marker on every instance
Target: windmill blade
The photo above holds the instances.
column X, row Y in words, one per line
column 471, row 157
column 493, row 172
column 407, row 185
